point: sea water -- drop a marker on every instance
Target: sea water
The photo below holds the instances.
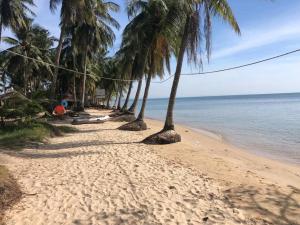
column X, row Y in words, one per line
column 268, row 125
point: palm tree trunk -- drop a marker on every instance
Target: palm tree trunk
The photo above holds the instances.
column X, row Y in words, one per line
column 108, row 100
column 128, row 96
column 142, row 112
column 25, row 75
column 120, row 98
column 74, row 91
column 136, row 98
column 116, row 100
column 84, row 79
column 142, row 59
column 169, row 123
column 57, row 61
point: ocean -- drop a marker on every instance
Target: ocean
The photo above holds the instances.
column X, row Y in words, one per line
column 267, row 125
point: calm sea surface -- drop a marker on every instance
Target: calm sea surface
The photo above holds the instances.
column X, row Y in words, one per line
column 267, row 125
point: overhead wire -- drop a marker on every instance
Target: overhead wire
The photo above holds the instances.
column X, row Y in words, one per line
column 167, row 79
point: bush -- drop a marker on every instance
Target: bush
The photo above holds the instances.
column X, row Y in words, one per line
column 17, row 135
column 17, row 106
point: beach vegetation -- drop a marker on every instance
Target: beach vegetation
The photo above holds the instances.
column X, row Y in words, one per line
column 17, row 135
column 24, row 122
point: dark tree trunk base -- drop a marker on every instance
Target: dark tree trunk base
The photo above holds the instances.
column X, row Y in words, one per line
column 137, row 125
column 123, row 118
column 162, row 138
column 115, row 113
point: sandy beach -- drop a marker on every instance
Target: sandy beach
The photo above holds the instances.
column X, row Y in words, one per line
column 101, row 175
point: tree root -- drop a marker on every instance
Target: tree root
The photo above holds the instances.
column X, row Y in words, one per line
column 124, row 118
column 136, row 125
column 163, row 138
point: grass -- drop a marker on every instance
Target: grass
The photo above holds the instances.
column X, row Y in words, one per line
column 10, row 192
column 17, row 136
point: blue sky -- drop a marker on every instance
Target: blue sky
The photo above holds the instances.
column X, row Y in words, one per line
column 268, row 28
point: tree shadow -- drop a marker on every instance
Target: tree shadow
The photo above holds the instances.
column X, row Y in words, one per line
column 272, row 204
column 120, row 216
column 33, row 155
column 80, row 144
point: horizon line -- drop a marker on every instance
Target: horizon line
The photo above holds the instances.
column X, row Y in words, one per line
column 230, row 95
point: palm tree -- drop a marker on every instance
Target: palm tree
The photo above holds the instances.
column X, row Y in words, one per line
column 13, row 14
column 110, row 70
column 71, row 10
column 191, row 43
column 150, row 25
column 94, row 31
column 34, row 42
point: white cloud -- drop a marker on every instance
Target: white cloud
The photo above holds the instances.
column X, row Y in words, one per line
column 261, row 37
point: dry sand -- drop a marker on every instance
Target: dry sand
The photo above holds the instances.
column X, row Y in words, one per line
column 101, row 175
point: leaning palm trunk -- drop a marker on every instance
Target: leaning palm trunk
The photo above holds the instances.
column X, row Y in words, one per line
column 124, row 108
column 132, row 108
column 57, row 61
column 140, row 73
column 145, row 98
column 169, row 122
column 139, row 124
column 168, row 134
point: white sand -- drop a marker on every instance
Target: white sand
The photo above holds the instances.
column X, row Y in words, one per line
column 102, row 176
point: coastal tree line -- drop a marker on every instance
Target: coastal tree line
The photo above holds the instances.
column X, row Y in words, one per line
column 78, row 61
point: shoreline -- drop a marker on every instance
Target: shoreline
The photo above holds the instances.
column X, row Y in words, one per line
column 222, row 137
column 218, row 137
column 249, row 181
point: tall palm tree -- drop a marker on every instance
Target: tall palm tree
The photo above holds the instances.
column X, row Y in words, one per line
column 126, row 64
column 14, row 14
column 71, row 10
column 94, row 31
column 150, row 25
column 191, row 43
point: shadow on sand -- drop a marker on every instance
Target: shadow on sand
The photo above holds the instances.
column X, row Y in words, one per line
column 62, row 146
column 80, row 144
column 271, row 205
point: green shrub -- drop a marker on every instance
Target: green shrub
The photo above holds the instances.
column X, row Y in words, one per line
column 16, row 136
column 17, row 106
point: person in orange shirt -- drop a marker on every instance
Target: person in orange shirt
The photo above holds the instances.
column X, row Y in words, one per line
column 59, row 111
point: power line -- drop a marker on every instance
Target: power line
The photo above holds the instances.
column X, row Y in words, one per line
column 242, row 66
column 165, row 80
column 235, row 67
column 63, row 68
